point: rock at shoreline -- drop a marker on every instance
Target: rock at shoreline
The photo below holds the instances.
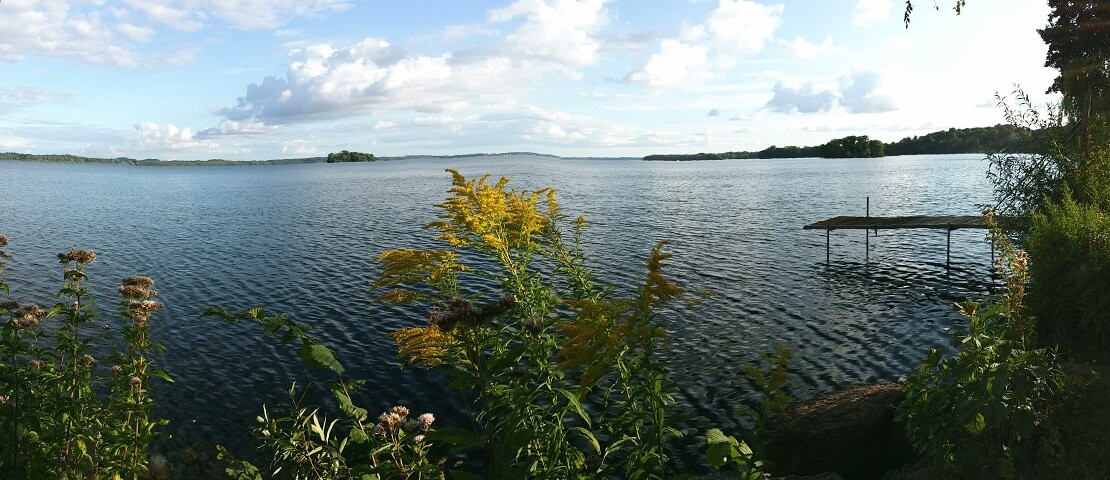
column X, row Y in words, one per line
column 851, row 432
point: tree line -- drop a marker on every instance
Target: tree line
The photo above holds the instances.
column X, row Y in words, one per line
column 996, row 139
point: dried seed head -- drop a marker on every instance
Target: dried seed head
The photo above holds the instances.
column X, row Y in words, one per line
column 36, row 364
column 3, row 240
column 401, row 411
column 426, row 420
column 117, row 369
column 28, row 317
column 9, row 305
column 138, row 281
column 418, row 439
column 389, row 420
column 136, row 381
column 88, row 360
column 534, row 325
column 77, row 255
column 136, row 292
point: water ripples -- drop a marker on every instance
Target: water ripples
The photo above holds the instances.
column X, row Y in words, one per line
column 301, row 239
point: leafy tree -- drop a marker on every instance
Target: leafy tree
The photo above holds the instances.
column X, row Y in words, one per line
column 345, row 156
column 1078, row 39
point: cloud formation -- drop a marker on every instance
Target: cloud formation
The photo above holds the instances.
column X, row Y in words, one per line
column 675, row 64
column 13, row 98
column 560, row 31
column 192, row 15
column 741, row 27
column 801, row 99
column 119, row 34
column 858, row 93
column 734, row 28
column 323, row 82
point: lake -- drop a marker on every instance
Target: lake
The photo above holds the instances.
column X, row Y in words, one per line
column 301, row 239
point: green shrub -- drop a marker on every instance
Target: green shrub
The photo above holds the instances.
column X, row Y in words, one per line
column 562, row 378
column 976, row 413
column 1069, row 246
column 62, row 414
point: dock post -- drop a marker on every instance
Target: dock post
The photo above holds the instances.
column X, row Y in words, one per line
column 866, row 234
column 948, row 249
column 828, row 249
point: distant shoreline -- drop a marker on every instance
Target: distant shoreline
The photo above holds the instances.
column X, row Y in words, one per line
column 998, row 138
column 152, row 162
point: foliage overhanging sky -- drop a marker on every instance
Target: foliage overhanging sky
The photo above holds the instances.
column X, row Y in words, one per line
column 257, row 79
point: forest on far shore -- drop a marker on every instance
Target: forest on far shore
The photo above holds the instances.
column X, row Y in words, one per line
column 996, row 139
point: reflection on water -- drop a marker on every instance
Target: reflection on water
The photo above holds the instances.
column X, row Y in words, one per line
column 301, row 239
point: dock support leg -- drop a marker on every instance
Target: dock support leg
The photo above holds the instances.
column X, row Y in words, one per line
column 828, row 249
column 948, row 249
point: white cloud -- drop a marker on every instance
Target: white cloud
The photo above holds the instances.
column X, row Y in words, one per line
column 800, row 99
column 676, row 63
column 859, row 93
column 150, row 131
column 135, row 32
column 870, row 12
column 370, row 77
column 802, row 48
column 12, row 98
column 191, row 15
column 298, row 147
column 741, row 27
column 748, row 117
column 62, row 29
column 230, row 127
column 561, row 31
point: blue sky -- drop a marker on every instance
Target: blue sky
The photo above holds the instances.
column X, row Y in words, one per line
column 260, row 79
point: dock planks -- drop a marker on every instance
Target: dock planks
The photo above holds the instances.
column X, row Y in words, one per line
column 948, row 223
column 917, row 221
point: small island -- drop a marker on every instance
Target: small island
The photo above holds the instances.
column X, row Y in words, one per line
column 345, row 156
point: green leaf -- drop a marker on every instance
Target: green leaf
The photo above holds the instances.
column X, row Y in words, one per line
column 318, row 356
column 220, row 313
column 589, row 436
column 162, row 374
column 572, row 399
column 358, row 436
column 718, row 454
column 715, row 436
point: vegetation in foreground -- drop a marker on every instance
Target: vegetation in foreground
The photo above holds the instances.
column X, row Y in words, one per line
column 66, row 413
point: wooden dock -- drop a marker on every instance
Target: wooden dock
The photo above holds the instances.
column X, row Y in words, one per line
column 948, row 223
column 918, row 221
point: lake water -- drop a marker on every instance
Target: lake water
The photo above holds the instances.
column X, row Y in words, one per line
column 300, row 239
